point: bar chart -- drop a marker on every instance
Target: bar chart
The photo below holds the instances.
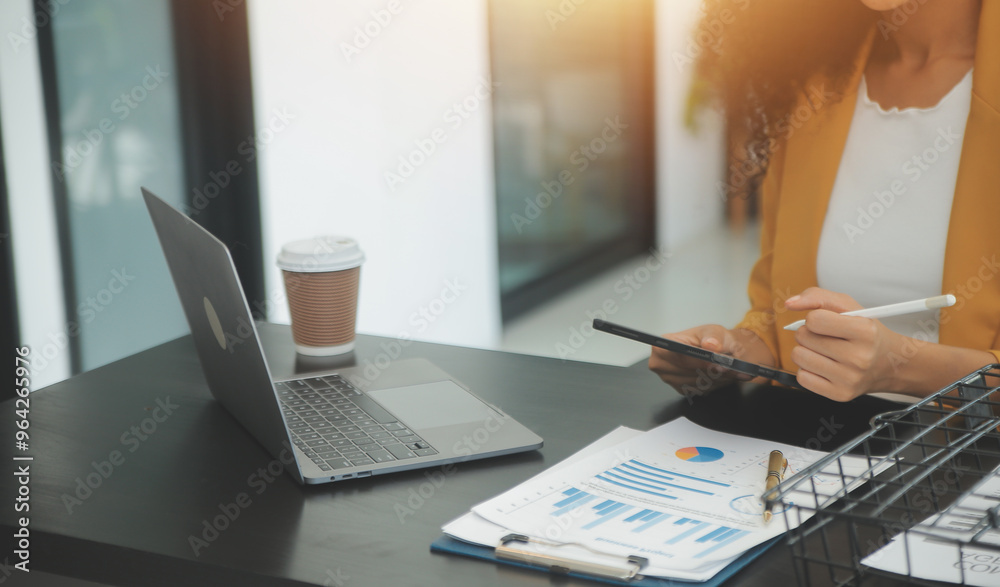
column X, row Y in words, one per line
column 591, row 512
column 639, row 476
column 683, row 497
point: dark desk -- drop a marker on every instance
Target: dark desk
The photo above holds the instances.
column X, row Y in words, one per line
column 173, row 475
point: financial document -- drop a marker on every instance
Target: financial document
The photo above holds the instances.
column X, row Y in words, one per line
column 684, row 497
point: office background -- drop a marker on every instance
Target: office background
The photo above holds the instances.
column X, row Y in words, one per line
column 450, row 138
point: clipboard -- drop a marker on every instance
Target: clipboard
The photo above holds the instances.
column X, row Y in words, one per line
column 629, row 572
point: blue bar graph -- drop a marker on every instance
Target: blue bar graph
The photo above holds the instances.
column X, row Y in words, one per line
column 636, row 476
column 651, row 521
column 612, row 509
column 632, row 487
column 659, row 480
column 571, row 503
column 606, row 510
column 731, row 536
column 685, row 532
column 694, row 529
column 728, row 534
column 575, row 496
column 608, row 513
column 714, row 534
column 676, row 474
column 636, row 517
column 642, row 478
column 578, row 498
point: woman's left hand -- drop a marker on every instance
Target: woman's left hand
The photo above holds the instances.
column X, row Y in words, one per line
column 842, row 357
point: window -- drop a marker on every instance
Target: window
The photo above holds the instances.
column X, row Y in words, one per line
column 573, row 127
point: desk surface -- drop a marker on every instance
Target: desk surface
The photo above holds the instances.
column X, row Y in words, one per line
column 161, row 481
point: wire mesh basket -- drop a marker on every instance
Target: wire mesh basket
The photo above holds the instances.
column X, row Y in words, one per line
column 927, row 509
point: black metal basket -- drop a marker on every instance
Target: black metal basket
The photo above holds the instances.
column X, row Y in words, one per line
column 935, row 457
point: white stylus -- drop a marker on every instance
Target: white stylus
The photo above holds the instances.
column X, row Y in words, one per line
column 893, row 309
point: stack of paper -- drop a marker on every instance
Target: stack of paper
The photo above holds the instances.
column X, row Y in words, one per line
column 964, row 553
column 684, row 497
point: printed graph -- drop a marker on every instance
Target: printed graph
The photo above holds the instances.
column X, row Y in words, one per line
column 699, row 454
column 685, row 497
column 693, row 535
column 642, row 477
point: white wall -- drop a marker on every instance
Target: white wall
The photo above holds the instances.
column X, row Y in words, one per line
column 355, row 103
column 689, row 165
column 32, row 215
column 323, row 170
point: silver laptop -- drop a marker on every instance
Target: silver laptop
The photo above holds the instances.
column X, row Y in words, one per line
column 328, row 426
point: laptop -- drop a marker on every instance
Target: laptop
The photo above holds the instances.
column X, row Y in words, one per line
column 327, row 426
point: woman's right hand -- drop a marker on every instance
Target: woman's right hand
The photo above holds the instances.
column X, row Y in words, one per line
column 691, row 376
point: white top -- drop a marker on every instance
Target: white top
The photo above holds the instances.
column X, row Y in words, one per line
column 884, row 235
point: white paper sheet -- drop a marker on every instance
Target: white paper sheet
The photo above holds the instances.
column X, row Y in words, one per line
column 477, row 530
column 685, row 497
column 917, row 554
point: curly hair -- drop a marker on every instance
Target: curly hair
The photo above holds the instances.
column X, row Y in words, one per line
column 758, row 56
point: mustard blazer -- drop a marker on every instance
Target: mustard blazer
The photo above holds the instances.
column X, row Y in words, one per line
column 796, row 191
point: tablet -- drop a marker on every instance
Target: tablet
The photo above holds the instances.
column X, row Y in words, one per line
column 731, row 363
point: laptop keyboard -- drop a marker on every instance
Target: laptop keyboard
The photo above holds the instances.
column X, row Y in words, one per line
column 337, row 426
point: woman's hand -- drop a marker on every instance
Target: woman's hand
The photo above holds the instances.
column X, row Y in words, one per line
column 843, row 357
column 691, row 376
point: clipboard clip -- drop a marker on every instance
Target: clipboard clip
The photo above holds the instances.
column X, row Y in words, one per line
column 626, row 570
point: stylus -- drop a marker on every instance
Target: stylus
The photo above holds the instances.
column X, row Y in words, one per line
column 893, row 309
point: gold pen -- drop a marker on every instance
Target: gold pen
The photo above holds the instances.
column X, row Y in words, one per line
column 776, row 465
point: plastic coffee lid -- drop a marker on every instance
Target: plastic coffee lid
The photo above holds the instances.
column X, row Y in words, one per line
column 321, row 254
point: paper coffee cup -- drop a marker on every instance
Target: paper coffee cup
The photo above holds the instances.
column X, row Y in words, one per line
column 321, row 281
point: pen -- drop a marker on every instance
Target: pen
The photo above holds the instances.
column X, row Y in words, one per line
column 893, row 309
column 776, row 464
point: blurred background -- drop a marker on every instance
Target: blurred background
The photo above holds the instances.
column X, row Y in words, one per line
column 511, row 168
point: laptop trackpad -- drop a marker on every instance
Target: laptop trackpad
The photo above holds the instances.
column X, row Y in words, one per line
column 430, row 405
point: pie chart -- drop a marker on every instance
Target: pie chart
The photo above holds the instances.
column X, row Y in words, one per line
column 699, row 454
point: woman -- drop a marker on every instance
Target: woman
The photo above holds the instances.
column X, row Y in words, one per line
column 876, row 124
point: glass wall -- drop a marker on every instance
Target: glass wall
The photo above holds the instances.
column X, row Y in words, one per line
column 573, row 135
column 118, row 121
